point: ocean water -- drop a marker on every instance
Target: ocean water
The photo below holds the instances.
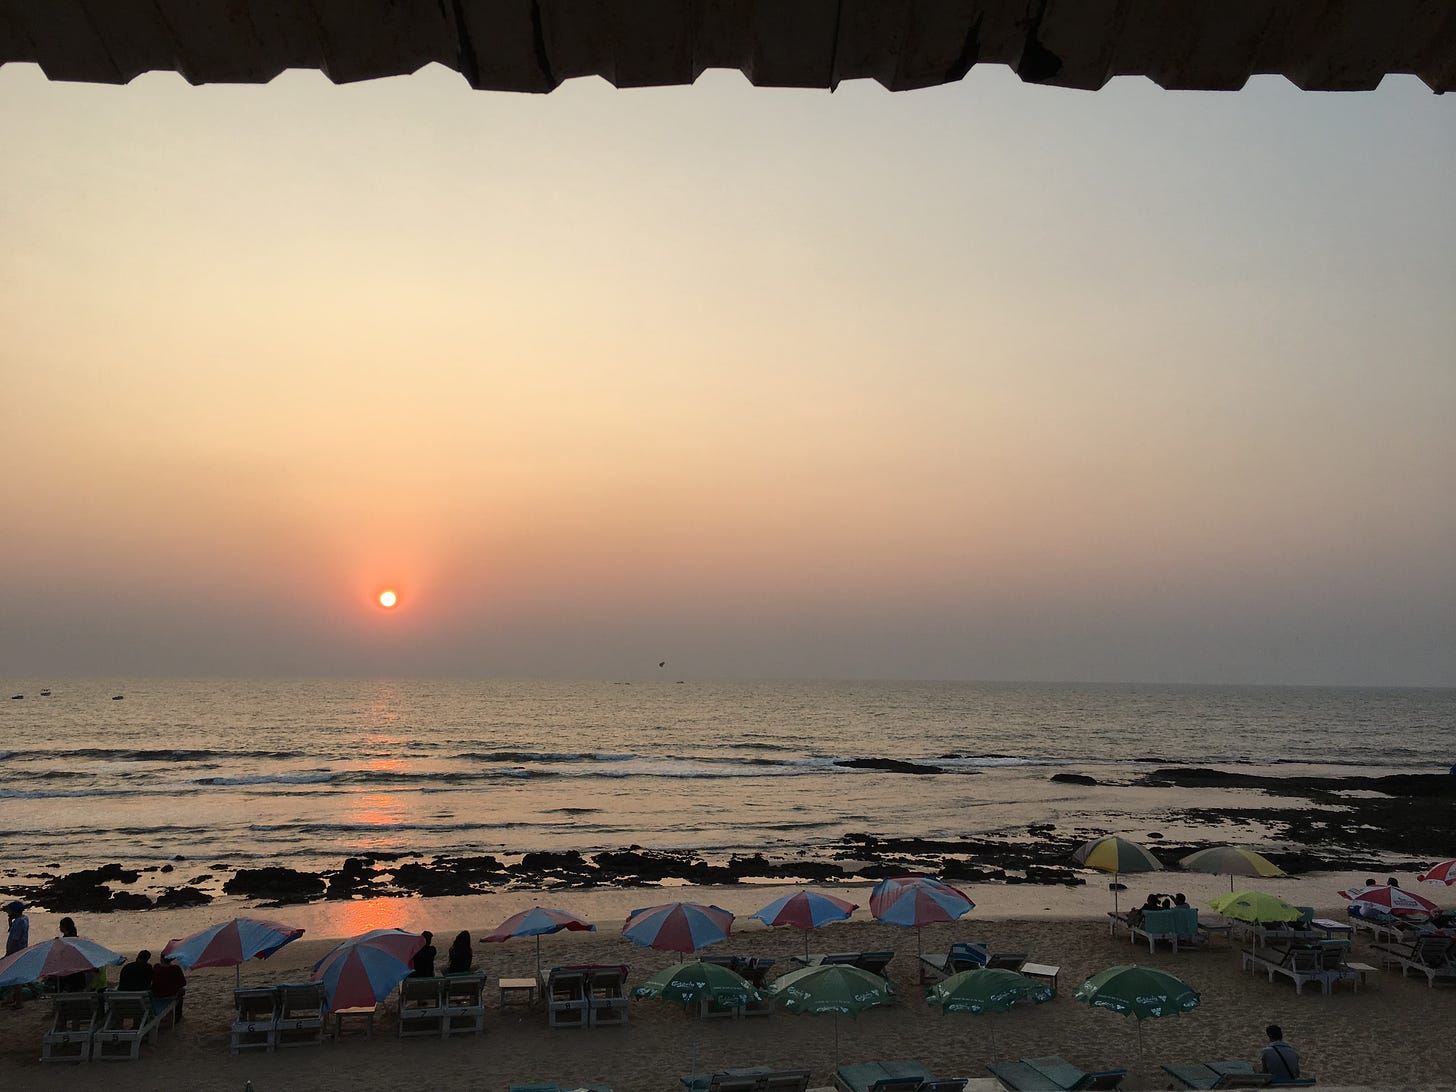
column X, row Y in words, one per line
column 306, row 772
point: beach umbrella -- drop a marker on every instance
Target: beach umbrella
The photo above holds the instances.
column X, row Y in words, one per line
column 986, row 990
column 838, row 989
column 58, row 956
column 805, row 910
column 678, row 926
column 1234, row 860
column 1445, row 873
column 694, row 982
column 915, row 901
column 230, row 943
column 1140, row 992
column 362, row 971
column 1116, row 855
column 1255, row 907
column 537, row 922
column 1393, row 900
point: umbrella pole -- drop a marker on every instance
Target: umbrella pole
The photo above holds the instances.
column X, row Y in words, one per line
column 836, row 1040
column 806, row 947
column 538, row 955
column 238, row 975
column 1114, row 892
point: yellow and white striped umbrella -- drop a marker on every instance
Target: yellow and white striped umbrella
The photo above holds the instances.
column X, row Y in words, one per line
column 1116, row 855
column 1233, row 860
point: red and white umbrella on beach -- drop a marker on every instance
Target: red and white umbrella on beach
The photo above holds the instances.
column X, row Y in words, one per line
column 1394, row 900
column 1445, row 873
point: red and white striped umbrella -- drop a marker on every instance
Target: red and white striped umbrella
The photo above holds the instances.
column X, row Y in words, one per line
column 1445, row 873
column 1396, row 900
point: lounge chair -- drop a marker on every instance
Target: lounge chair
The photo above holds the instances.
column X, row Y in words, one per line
column 422, row 1008
column 730, row 1080
column 132, row 1018
column 255, row 1019
column 1228, row 1074
column 560, row 1088
column 73, row 1022
column 566, row 997
column 606, row 996
column 963, row 956
column 463, row 1002
column 1053, row 1074
column 757, row 973
column 1434, row 956
column 1300, row 964
column 1177, row 925
column 896, row 1076
column 300, row 1014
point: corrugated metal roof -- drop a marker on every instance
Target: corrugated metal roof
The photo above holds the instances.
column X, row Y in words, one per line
column 533, row 45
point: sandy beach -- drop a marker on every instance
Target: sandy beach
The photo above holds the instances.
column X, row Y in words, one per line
column 1376, row 1037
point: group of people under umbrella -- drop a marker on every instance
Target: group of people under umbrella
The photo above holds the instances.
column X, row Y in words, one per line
column 364, row 969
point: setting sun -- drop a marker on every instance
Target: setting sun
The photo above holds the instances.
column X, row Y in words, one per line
column 388, row 599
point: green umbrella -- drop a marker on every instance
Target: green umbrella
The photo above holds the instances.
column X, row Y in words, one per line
column 1142, row 992
column 1234, row 860
column 1255, row 906
column 694, row 981
column 1118, row 856
column 835, row 988
column 986, row 989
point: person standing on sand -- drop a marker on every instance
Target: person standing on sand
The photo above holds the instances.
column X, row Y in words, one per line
column 16, row 939
column 1279, row 1058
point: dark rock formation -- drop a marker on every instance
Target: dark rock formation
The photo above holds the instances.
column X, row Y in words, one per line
column 282, row 885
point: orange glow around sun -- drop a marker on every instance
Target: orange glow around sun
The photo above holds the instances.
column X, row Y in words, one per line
column 387, row 599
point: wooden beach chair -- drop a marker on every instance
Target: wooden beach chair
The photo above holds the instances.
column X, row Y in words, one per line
column 132, row 1017
column 566, row 998
column 301, row 1014
column 255, row 1019
column 422, row 1008
column 74, row 1019
column 606, row 991
column 1053, row 1074
column 463, row 1002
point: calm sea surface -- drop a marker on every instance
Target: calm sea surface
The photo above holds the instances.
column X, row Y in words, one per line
column 304, row 773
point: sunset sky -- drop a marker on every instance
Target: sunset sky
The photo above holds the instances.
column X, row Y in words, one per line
column 988, row 381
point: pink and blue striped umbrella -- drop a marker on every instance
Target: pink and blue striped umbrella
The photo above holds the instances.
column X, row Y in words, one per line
column 678, row 926
column 231, row 943
column 362, row 971
column 58, row 956
column 536, row 922
column 914, row 901
column 806, row 910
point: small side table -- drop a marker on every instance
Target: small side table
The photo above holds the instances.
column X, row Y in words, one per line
column 360, row 1015
column 517, row 991
column 1331, row 928
column 1361, row 970
column 1042, row 970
